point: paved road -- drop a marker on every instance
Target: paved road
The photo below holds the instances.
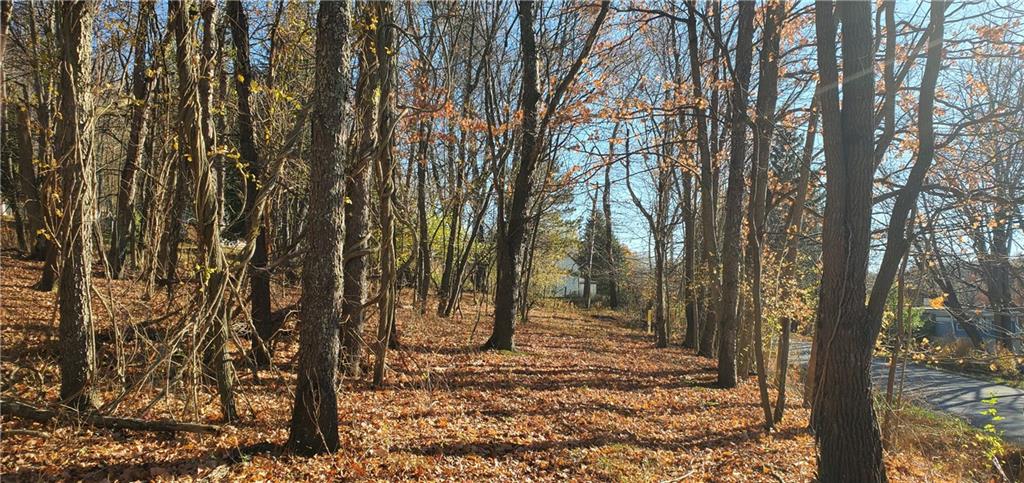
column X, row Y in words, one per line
column 950, row 393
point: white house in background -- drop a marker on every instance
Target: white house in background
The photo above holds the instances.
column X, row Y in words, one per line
column 571, row 285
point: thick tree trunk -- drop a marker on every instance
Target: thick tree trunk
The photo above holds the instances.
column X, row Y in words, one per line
column 513, row 220
column 849, row 445
column 734, row 200
column 124, row 222
column 74, row 150
column 314, row 424
column 259, row 278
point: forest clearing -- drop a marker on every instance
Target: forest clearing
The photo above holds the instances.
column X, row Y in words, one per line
column 589, row 240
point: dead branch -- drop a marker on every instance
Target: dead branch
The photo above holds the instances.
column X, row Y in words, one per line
column 32, row 413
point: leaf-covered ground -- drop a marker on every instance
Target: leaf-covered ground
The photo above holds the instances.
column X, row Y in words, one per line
column 586, row 397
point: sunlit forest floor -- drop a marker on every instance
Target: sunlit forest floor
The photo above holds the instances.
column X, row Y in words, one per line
column 585, row 397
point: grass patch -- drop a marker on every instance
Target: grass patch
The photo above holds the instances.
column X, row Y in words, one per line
column 621, row 462
column 947, row 443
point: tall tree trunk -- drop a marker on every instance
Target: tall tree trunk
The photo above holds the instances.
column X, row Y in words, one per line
column 193, row 132
column 767, row 96
column 709, row 245
column 74, row 150
column 46, row 184
column 846, row 429
column 357, row 187
column 259, row 277
column 314, row 424
column 124, row 222
column 734, row 199
column 386, row 52
column 49, row 191
column 513, row 219
column 849, row 447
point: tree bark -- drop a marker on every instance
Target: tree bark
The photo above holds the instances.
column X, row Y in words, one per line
column 74, row 150
column 734, row 199
column 512, row 224
column 314, row 424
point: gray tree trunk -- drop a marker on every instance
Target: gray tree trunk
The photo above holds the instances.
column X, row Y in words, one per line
column 314, row 424
column 74, row 150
